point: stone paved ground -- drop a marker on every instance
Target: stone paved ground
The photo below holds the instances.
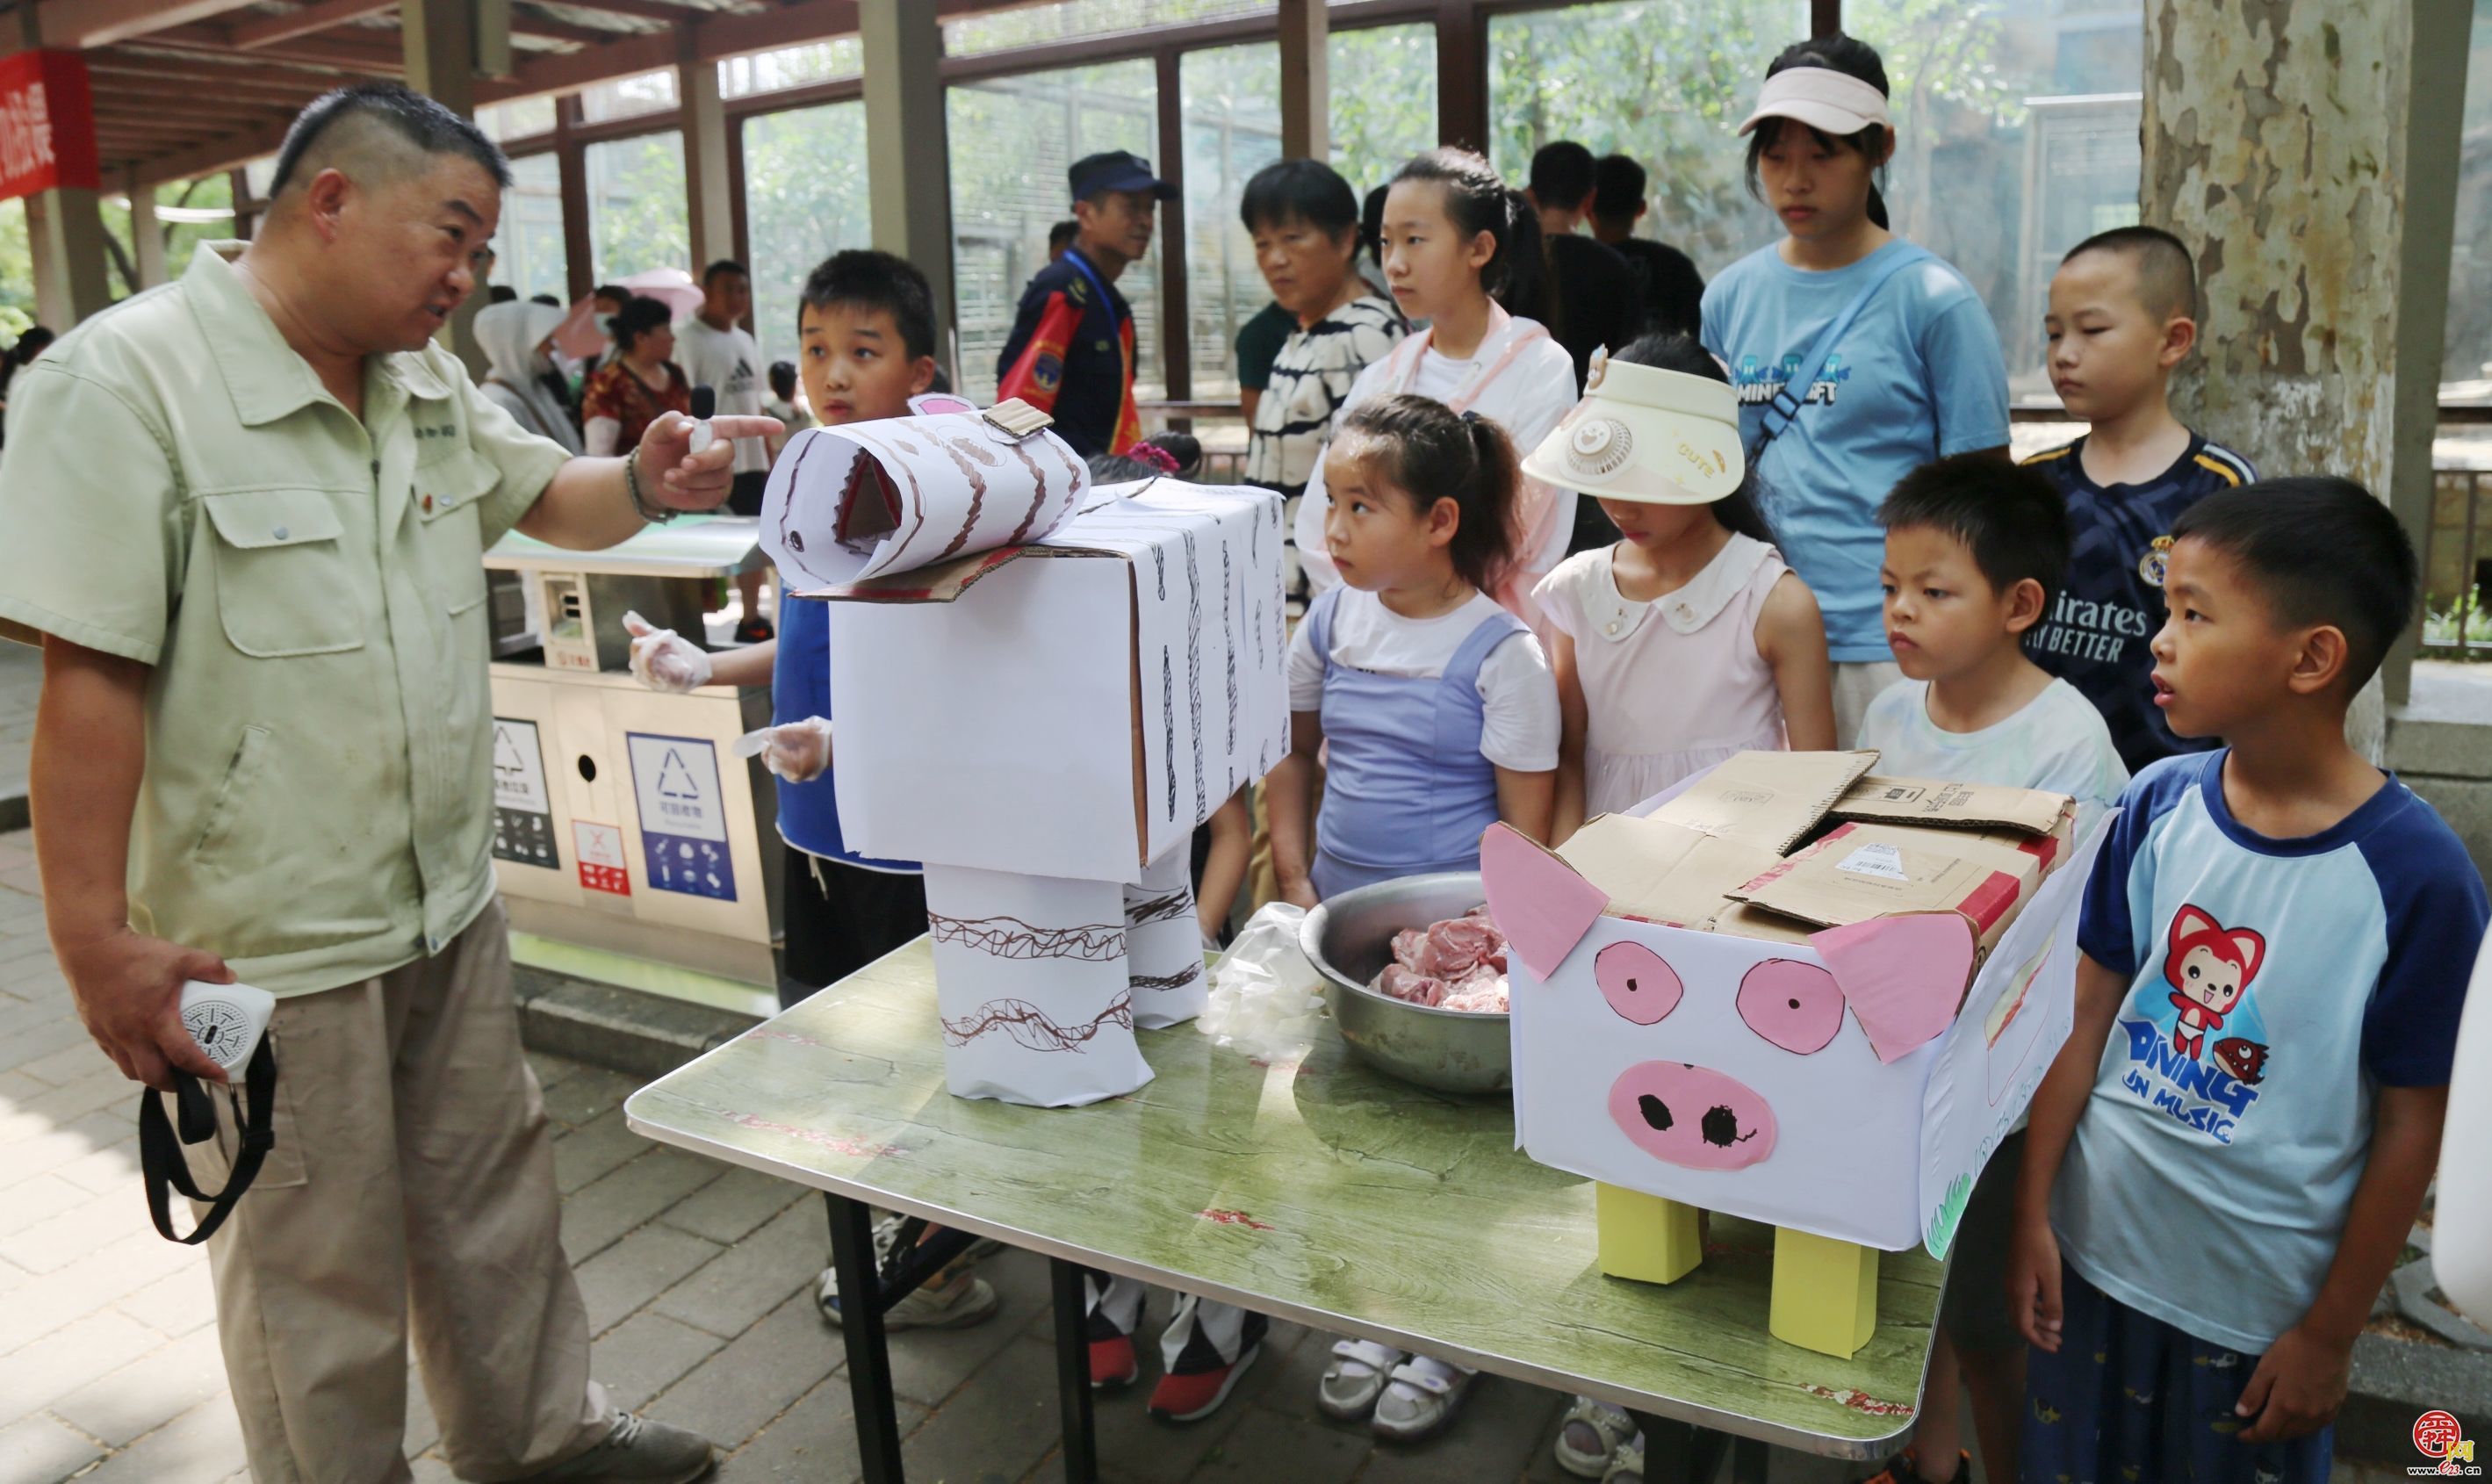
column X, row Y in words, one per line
column 696, row 1279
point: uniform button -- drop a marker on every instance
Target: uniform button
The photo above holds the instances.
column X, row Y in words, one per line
column 1614, row 627
column 280, row 533
column 1684, row 611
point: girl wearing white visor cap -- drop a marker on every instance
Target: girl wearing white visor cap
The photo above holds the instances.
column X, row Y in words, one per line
column 1856, row 355
column 1688, row 640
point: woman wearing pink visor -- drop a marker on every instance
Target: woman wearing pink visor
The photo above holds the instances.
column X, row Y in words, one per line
column 1857, row 356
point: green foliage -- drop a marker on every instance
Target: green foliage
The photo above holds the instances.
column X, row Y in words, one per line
column 805, row 198
column 1383, row 101
column 16, row 272
column 637, row 206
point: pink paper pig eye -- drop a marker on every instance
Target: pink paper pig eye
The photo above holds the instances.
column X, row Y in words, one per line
column 1636, row 982
column 1794, row 1005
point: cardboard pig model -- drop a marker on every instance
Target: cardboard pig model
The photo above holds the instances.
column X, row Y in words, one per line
column 1039, row 689
column 1832, row 1041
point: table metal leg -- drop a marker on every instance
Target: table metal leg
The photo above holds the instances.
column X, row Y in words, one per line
column 1073, row 1373
column 1680, row 1453
column 1748, row 1461
column 878, row 1420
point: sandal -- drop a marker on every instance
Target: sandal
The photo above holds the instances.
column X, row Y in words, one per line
column 1420, row 1400
column 1589, row 1438
column 1627, row 1467
column 1355, row 1378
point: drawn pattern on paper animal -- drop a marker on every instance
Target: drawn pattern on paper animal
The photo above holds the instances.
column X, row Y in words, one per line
column 917, row 492
column 1175, row 903
column 795, row 541
column 1037, row 501
column 965, row 456
column 1228, row 643
column 1176, row 981
column 1194, row 669
column 1168, row 719
column 1029, row 1027
column 1010, row 937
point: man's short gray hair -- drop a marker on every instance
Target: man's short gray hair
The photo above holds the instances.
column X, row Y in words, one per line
column 391, row 110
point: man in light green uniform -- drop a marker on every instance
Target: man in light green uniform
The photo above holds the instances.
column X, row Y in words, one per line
column 247, row 513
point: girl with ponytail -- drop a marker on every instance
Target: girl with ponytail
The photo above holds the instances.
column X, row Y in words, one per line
column 1856, row 355
column 1440, row 717
column 1462, row 252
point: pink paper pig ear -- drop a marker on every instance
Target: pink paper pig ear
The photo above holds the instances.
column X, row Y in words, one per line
column 1540, row 904
column 1903, row 976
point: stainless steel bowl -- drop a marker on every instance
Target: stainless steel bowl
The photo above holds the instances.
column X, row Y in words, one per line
column 1350, row 939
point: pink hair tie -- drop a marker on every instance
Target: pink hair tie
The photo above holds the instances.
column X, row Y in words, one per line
column 1156, row 456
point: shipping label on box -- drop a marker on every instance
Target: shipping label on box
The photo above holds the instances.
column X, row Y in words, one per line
column 1843, row 1085
column 1864, row 871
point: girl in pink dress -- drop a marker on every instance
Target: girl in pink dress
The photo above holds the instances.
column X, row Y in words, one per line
column 1688, row 640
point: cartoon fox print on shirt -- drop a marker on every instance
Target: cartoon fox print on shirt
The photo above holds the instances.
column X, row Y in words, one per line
column 2197, row 1047
column 2209, row 969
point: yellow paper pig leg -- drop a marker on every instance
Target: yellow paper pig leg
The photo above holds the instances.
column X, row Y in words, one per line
column 1646, row 1237
column 1825, row 1293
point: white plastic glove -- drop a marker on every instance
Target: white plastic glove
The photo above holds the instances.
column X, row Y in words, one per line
column 663, row 660
column 796, row 750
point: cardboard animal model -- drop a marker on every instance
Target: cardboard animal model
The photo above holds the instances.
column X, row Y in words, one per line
column 1846, row 1091
column 1039, row 690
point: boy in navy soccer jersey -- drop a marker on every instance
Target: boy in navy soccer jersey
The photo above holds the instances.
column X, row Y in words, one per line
column 2226, row 1158
column 2121, row 316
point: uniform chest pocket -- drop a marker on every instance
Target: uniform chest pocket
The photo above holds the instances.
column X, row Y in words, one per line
column 449, row 498
column 284, row 583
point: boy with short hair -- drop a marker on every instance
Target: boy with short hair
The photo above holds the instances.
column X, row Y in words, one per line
column 1975, row 550
column 865, row 333
column 2120, row 318
column 2226, row 1158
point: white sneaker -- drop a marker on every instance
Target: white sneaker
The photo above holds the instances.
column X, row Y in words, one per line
column 1355, row 1378
column 944, row 1302
column 1627, row 1467
column 1420, row 1400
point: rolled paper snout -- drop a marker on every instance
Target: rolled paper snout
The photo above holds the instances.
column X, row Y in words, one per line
column 868, row 499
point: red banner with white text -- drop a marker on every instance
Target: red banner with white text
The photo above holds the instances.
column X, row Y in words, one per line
column 46, row 124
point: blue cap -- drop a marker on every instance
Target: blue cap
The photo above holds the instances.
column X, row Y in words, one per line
column 1116, row 170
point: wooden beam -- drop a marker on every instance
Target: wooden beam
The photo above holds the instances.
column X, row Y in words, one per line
column 382, row 61
column 1462, row 74
column 238, row 148
column 156, row 105
column 228, row 80
column 1306, row 87
column 637, row 10
column 268, row 30
column 83, row 26
column 545, row 29
column 1177, row 316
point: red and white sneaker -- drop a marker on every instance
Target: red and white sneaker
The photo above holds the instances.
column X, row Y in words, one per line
column 1116, row 1312
column 1194, row 1397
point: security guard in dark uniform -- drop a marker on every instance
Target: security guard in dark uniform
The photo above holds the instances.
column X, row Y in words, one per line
column 1072, row 349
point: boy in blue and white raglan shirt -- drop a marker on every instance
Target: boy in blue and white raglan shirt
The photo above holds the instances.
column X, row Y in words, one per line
column 2225, row 1160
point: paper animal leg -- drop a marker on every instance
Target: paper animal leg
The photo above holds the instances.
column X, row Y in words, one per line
column 1166, row 969
column 1646, row 1237
column 1030, row 982
column 1825, row 1293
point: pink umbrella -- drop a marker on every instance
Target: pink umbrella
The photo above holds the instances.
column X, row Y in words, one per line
column 582, row 331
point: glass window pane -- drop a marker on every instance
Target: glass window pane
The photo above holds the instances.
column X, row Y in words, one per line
column 790, row 67
column 636, row 206
column 1011, row 139
column 504, row 122
column 1383, row 99
column 2015, row 140
column 1232, row 129
column 804, row 200
column 1069, row 19
column 628, row 97
column 2466, row 356
column 1663, row 80
column 530, row 240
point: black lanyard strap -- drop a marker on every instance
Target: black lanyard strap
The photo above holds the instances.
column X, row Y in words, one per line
column 160, row 1152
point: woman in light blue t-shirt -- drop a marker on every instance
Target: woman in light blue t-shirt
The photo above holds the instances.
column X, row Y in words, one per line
column 1918, row 375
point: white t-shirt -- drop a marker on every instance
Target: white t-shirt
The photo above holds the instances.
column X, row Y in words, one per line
column 728, row 362
column 2058, row 742
column 1530, row 396
column 1518, row 694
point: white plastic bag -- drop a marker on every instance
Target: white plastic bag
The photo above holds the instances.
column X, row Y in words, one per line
column 1266, row 997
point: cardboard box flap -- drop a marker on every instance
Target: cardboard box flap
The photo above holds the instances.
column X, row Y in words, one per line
column 1860, row 873
column 1930, row 801
column 1660, row 872
column 1767, row 799
column 2002, row 847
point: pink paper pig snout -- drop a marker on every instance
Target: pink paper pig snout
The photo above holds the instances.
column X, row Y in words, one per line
column 1692, row 1116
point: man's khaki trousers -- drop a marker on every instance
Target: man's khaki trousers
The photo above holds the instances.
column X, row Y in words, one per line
column 412, row 1176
